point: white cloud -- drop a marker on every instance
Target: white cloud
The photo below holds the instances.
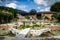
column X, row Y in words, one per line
column 12, row 5
column 45, row 2
column 46, row 9
column 41, row 2
column 22, row 6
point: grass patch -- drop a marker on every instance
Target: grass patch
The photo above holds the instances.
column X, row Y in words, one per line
column 11, row 34
column 34, row 26
column 6, row 33
column 57, row 32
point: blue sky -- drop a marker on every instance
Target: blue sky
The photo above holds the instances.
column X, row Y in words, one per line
column 27, row 5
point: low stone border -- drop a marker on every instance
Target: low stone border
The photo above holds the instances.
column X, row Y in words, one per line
column 11, row 38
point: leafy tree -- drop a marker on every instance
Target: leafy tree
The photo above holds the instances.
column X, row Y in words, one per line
column 11, row 10
column 56, row 16
column 33, row 11
column 1, row 17
column 7, row 17
column 55, row 7
column 47, row 18
column 4, row 17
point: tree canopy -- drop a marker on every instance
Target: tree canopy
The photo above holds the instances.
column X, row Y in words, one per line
column 56, row 17
column 7, row 14
column 33, row 11
column 55, row 7
column 13, row 11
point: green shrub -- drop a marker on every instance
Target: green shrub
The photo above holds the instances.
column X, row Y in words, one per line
column 27, row 17
column 24, row 26
column 47, row 18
